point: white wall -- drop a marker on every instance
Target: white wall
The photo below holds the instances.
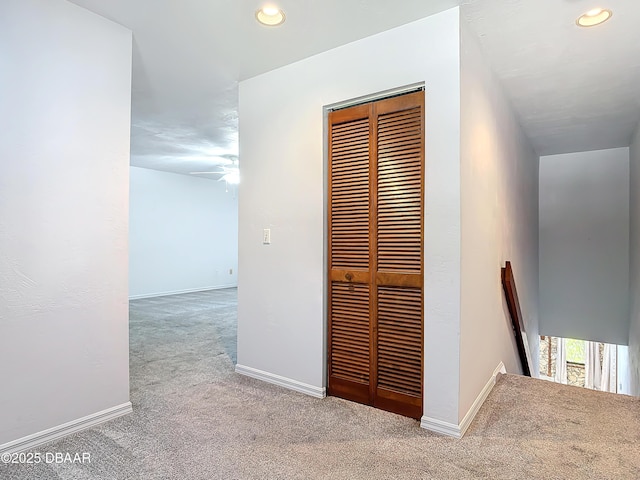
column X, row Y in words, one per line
column 499, row 186
column 183, row 234
column 634, row 262
column 65, row 89
column 281, row 316
column 584, row 245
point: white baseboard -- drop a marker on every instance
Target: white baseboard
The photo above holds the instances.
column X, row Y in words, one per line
column 439, row 426
column 285, row 382
column 458, row 430
column 178, row 292
column 35, row 440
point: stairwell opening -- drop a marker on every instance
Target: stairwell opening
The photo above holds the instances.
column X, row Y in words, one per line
column 586, row 364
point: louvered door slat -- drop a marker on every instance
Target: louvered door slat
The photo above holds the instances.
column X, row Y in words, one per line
column 398, row 198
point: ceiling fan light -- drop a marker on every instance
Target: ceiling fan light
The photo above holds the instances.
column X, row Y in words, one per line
column 270, row 16
column 232, row 178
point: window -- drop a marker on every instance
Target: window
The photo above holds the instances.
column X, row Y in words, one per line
column 575, row 351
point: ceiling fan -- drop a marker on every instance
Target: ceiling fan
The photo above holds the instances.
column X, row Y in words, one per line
column 227, row 173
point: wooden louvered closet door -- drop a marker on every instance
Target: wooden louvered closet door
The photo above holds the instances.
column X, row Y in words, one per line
column 376, row 190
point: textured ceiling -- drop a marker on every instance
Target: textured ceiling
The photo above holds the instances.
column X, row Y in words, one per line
column 573, row 89
column 188, row 56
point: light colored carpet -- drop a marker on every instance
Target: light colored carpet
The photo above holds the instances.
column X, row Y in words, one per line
column 194, row 418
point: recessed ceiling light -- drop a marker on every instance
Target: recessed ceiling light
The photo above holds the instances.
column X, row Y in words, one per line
column 270, row 16
column 594, row 17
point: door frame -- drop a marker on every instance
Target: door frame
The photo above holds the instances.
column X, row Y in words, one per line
column 384, row 94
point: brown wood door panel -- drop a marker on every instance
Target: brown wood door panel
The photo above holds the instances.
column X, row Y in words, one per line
column 400, row 185
column 349, row 360
column 349, row 208
column 376, row 188
column 399, row 346
column 349, row 254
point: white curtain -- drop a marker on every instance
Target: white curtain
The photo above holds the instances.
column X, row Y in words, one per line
column 608, row 381
column 561, row 362
column 592, row 374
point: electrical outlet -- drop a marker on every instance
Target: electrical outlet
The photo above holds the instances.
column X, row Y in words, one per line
column 266, row 236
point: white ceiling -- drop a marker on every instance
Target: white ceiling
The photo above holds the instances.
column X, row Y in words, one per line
column 573, row 89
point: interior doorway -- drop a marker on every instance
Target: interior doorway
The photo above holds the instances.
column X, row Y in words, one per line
column 375, row 232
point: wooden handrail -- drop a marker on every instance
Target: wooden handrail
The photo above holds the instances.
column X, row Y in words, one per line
column 509, row 287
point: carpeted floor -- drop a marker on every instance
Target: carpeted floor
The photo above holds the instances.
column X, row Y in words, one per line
column 194, row 418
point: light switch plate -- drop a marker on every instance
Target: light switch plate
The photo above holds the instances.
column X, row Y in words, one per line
column 266, row 236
